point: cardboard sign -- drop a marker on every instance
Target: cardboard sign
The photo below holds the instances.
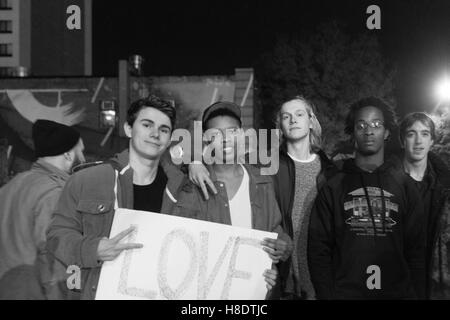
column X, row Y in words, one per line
column 184, row 259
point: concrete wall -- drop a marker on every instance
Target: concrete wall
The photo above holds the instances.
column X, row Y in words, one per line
column 191, row 95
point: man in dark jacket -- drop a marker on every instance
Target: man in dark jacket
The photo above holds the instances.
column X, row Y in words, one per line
column 303, row 170
column 432, row 177
column 367, row 236
column 78, row 235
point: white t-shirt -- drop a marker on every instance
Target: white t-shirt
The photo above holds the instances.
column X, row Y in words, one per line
column 240, row 207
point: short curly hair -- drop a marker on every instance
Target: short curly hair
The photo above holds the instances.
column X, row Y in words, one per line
column 152, row 101
column 390, row 117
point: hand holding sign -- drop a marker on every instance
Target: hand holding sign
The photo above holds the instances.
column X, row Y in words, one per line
column 277, row 249
column 270, row 275
column 109, row 249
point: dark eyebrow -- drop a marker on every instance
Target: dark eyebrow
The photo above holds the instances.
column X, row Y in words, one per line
column 411, row 130
column 161, row 126
column 370, row 120
column 165, row 126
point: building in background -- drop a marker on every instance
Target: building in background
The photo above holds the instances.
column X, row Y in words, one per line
column 35, row 40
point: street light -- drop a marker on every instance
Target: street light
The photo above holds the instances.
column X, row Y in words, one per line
column 443, row 90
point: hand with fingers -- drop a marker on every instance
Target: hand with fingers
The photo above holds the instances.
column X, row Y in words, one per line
column 270, row 275
column 109, row 249
column 199, row 175
column 277, row 249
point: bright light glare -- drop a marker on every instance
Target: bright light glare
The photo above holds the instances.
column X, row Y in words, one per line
column 443, row 90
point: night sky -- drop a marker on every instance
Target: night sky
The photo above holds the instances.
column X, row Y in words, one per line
column 214, row 37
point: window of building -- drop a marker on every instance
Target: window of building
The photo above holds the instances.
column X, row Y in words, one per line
column 5, row 49
column 5, row 4
column 6, row 72
column 5, row 26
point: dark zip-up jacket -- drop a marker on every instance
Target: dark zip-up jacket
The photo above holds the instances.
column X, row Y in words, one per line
column 438, row 244
column 367, row 236
column 284, row 185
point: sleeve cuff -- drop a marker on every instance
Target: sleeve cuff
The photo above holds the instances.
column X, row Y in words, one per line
column 89, row 258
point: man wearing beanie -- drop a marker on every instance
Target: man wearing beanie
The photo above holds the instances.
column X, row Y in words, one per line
column 27, row 203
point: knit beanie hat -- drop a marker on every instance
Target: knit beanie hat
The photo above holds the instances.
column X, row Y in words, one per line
column 52, row 139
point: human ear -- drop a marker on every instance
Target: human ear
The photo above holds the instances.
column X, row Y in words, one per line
column 127, row 128
column 387, row 133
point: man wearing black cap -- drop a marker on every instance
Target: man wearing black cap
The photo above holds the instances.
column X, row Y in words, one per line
column 245, row 198
column 27, row 203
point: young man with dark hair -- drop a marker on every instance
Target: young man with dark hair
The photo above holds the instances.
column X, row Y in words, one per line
column 134, row 179
column 432, row 177
column 367, row 236
column 245, row 198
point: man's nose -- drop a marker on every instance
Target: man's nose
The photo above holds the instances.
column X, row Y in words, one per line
column 226, row 137
column 368, row 130
column 154, row 132
column 418, row 139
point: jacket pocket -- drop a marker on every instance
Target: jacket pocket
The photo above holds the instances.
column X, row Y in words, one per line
column 188, row 206
column 96, row 216
column 94, row 206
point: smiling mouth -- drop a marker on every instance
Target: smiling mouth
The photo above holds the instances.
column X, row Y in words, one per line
column 153, row 143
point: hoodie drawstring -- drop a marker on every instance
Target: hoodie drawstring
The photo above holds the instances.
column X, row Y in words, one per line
column 369, row 205
column 383, row 202
column 116, row 180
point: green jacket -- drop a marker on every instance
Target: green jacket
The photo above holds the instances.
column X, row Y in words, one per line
column 85, row 213
column 266, row 215
column 26, row 206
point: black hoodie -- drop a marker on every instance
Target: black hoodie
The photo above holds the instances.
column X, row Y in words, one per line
column 348, row 236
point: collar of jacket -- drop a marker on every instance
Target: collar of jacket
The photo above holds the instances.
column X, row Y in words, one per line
column 440, row 169
column 256, row 180
column 121, row 163
column 46, row 168
column 437, row 170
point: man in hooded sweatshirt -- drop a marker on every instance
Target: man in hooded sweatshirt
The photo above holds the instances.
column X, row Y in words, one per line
column 366, row 236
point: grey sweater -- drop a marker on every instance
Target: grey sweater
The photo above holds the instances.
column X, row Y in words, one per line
column 299, row 280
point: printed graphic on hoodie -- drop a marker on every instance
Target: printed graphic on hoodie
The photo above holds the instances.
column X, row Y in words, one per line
column 367, row 223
